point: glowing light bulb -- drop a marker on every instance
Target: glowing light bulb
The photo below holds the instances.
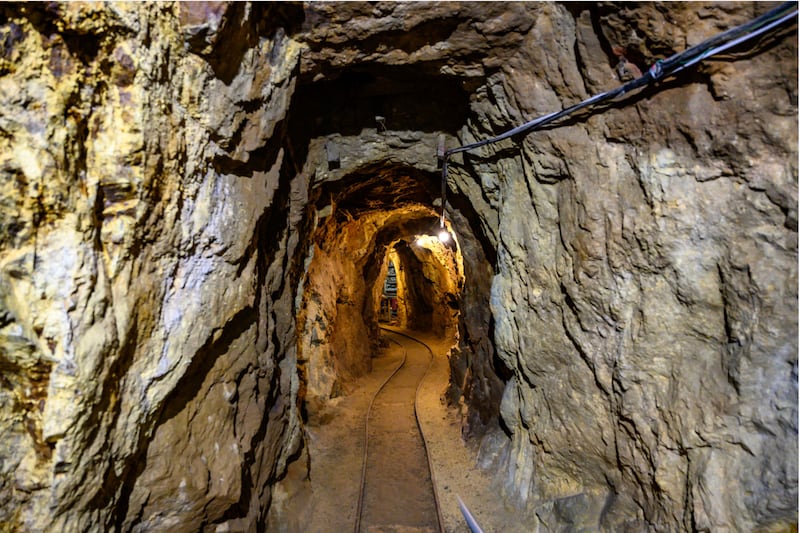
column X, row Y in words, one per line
column 444, row 236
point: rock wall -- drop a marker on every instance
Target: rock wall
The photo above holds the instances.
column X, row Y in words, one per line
column 433, row 280
column 646, row 290
column 628, row 334
column 148, row 265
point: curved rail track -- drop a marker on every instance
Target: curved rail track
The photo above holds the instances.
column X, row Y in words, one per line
column 397, row 480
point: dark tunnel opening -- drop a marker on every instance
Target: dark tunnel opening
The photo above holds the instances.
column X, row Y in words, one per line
column 366, row 140
column 404, row 97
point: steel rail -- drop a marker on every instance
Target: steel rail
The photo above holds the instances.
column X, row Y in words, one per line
column 425, row 444
column 419, row 425
column 360, row 506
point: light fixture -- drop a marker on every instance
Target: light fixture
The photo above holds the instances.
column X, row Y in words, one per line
column 444, row 235
column 433, row 242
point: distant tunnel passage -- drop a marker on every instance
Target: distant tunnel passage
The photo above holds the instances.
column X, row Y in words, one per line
column 397, row 486
column 373, row 217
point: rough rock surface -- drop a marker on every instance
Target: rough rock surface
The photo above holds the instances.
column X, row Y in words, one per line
column 148, row 269
column 646, row 293
column 628, row 320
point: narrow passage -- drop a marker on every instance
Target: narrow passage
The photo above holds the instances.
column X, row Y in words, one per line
column 398, row 491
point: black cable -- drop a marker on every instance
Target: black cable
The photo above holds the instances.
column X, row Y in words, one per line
column 660, row 69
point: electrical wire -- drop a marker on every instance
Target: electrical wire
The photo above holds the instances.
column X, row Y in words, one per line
column 659, row 70
column 740, row 40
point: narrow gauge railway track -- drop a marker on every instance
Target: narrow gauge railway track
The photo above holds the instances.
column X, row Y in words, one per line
column 397, row 481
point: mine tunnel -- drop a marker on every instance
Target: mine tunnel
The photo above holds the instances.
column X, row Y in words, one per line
column 372, row 133
column 380, row 216
column 398, row 266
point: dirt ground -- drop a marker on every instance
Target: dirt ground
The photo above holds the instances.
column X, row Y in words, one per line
column 335, row 444
column 454, row 462
column 398, row 491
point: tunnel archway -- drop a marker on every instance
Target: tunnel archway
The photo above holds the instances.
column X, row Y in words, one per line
column 353, row 131
column 430, row 277
column 378, row 213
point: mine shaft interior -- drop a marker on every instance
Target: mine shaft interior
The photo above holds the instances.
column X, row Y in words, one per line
column 398, row 266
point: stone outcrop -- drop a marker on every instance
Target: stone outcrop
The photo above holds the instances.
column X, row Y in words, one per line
column 170, row 173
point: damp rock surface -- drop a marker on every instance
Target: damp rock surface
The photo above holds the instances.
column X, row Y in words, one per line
column 169, row 173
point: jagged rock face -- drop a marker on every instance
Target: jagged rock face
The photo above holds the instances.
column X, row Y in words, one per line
column 645, row 298
column 149, row 263
column 629, row 309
